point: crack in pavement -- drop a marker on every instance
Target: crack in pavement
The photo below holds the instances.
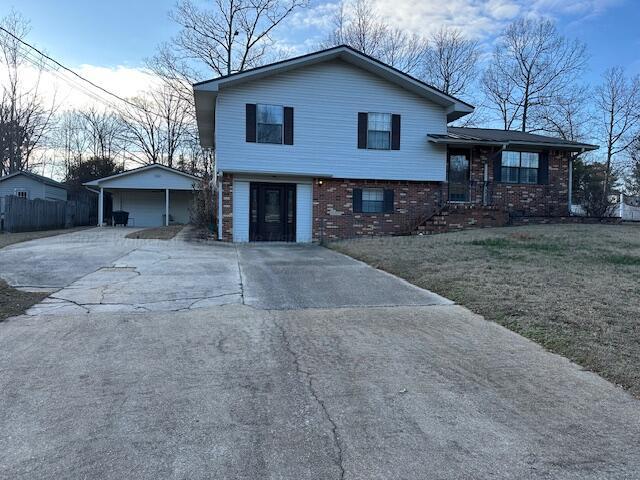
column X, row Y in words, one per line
column 240, row 274
column 314, row 394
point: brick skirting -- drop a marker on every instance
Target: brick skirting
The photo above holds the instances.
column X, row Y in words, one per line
column 333, row 216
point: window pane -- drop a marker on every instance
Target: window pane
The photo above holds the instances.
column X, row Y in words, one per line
column 528, row 175
column 510, row 159
column 269, row 133
column 269, row 123
column 379, row 140
column 269, row 114
column 380, row 122
column 372, row 200
column 529, row 160
column 510, row 174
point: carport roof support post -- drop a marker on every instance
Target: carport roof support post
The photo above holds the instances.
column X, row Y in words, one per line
column 166, row 207
column 101, row 208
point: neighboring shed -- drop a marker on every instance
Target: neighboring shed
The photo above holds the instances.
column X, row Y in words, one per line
column 32, row 186
column 153, row 195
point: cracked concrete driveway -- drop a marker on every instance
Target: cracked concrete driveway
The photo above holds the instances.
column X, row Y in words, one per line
column 178, row 360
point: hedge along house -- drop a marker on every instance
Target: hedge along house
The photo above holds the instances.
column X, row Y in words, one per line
column 336, row 144
column 153, row 195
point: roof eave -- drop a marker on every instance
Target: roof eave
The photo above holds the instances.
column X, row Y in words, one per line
column 578, row 147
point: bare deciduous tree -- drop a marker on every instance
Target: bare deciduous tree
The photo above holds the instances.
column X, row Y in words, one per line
column 567, row 116
column 158, row 126
column 532, row 65
column 358, row 25
column 24, row 119
column 451, row 61
column 233, row 35
column 618, row 106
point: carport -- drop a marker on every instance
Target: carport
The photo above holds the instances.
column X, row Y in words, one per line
column 153, row 195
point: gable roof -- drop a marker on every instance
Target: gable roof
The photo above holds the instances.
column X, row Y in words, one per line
column 206, row 92
column 36, row 177
column 96, row 183
column 505, row 138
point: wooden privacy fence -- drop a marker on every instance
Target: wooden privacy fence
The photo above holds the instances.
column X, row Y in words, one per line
column 24, row 215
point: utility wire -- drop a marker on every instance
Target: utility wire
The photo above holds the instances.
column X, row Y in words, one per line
column 64, row 67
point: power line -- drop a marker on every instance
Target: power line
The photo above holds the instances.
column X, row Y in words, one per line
column 64, row 67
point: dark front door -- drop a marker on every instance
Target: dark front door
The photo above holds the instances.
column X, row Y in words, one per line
column 458, row 175
column 272, row 212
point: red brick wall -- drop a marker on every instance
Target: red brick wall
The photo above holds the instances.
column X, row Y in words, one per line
column 227, row 207
column 333, row 215
column 522, row 200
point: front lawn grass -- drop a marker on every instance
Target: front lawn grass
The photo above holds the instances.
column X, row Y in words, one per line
column 575, row 289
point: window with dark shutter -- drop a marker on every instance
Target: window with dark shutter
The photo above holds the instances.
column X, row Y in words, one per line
column 388, row 201
column 288, row 125
column 251, row 122
column 395, row 132
column 363, row 121
column 543, row 169
column 357, row 200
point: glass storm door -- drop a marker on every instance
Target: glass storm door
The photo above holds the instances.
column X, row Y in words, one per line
column 272, row 212
column 458, row 176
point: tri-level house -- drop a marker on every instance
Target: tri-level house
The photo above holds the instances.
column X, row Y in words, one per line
column 336, row 144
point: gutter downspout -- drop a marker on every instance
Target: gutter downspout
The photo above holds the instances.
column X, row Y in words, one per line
column 570, row 186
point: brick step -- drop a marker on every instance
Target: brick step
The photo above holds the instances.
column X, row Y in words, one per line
column 454, row 217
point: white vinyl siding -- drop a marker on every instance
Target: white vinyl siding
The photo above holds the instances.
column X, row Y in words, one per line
column 304, row 212
column 327, row 98
column 54, row 193
column 240, row 211
column 22, row 183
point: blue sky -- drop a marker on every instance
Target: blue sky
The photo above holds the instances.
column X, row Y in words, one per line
column 124, row 33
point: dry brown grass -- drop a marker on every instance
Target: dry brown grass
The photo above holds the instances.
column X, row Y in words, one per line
column 7, row 239
column 15, row 302
column 575, row 289
column 157, row 233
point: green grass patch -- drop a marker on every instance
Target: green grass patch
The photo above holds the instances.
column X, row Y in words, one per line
column 627, row 260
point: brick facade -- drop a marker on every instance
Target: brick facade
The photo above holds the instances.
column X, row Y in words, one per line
column 333, row 216
column 551, row 199
column 227, row 208
column 423, row 206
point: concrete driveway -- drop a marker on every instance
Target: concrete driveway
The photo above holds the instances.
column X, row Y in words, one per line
column 292, row 362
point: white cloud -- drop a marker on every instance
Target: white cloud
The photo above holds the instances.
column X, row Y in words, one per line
column 69, row 92
column 481, row 19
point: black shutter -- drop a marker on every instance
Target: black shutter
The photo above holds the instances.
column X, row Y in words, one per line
column 395, row 132
column 288, row 125
column 497, row 167
column 388, row 201
column 363, row 120
column 357, row 200
column 543, row 168
column 251, row 122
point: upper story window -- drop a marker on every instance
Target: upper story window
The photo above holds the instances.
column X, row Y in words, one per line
column 22, row 194
column 379, row 131
column 269, row 123
column 520, row 167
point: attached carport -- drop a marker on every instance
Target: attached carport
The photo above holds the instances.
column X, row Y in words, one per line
column 153, row 195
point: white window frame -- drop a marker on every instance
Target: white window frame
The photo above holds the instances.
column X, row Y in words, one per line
column 21, row 193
